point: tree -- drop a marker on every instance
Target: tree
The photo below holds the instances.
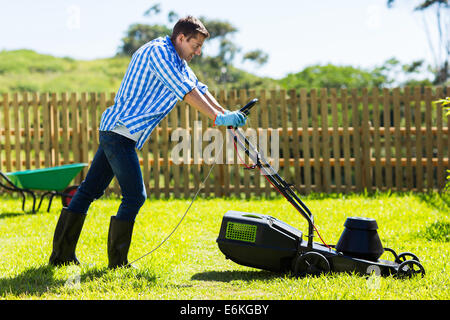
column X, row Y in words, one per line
column 214, row 68
column 440, row 48
column 155, row 9
column 220, row 31
column 139, row 34
column 397, row 74
column 256, row 56
column 331, row 76
column 391, row 73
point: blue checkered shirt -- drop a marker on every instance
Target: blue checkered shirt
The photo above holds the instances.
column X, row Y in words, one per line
column 155, row 80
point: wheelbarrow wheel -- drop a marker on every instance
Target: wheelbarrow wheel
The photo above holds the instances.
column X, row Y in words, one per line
column 68, row 194
column 311, row 263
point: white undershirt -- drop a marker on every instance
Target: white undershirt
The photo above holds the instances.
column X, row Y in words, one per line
column 122, row 130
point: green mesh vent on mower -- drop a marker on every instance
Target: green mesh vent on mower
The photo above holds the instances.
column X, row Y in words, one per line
column 241, row 232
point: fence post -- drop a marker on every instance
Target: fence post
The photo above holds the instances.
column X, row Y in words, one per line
column 54, row 129
column 429, row 139
column 156, row 167
column 316, row 141
column 418, row 125
column 408, row 140
column 15, row 104
column 336, row 141
column 285, row 136
column 326, row 170
column 294, row 106
column 439, row 143
column 27, row 129
column 46, row 126
column 165, row 150
column 36, row 131
column 366, row 168
column 397, row 141
column 356, row 139
column 65, row 128
column 6, row 119
column 346, row 141
column 387, row 137
column 84, row 130
column 376, row 138
column 305, row 139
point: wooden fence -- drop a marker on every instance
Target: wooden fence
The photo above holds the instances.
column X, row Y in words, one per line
column 329, row 140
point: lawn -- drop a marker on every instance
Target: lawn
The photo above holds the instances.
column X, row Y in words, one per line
column 190, row 266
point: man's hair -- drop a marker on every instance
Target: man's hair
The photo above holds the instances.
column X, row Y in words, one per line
column 190, row 27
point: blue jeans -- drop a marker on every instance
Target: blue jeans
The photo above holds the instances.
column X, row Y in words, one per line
column 116, row 156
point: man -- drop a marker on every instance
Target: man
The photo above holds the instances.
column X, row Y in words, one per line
column 157, row 77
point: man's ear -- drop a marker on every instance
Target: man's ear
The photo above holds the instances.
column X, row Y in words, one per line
column 181, row 37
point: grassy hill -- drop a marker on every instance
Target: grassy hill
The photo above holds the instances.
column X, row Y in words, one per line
column 27, row 70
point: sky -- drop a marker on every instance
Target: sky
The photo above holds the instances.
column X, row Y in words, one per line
column 294, row 33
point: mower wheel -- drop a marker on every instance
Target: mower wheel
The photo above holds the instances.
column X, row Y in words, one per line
column 311, row 263
column 68, row 194
column 410, row 268
column 404, row 256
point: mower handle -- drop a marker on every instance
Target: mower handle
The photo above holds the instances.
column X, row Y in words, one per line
column 246, row 109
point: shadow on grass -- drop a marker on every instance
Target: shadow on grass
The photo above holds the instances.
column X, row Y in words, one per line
column 40, row 280
column 5, row 215
column 31, row 281
column 20, row 213
column 227, row 276
column 438, row 201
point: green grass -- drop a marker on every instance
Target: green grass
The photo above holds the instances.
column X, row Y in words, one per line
column 190, row 266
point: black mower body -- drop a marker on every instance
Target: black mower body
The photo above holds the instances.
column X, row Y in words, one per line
column 264, row 242
column 258, row 241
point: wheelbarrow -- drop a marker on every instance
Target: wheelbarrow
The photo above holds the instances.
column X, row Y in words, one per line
column 54, row 181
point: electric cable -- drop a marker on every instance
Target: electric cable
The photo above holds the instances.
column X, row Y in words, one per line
column 195, row 197
column 182, row 218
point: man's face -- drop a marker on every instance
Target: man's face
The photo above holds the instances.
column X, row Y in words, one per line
column 187, row 49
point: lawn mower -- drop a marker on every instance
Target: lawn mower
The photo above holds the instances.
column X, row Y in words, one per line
column 264, row 242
